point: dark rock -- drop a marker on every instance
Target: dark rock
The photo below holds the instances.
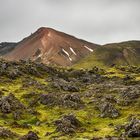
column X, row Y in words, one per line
column 30, row 136
column 5, row 133
column 132, row 129
column 129, row 80
column 64, row 100
column 13, row 73
column 64, row 85
column 10, row 104
column 129, row 95
column 108, row 110
column 49, row 99
column 109, row 138
column 68, row 124
column 72, row 101
column 48, row 133
column 17, row 125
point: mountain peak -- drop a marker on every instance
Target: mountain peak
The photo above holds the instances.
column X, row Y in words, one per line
column 51, row 47
column 44, row 30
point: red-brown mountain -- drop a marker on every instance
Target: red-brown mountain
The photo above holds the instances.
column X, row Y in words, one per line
column 51, row 47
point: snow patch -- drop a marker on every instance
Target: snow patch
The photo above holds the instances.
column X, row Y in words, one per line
column 73, row 51
column 88, row 48
column 70, row 59
column 67, row 54
column 39, row 55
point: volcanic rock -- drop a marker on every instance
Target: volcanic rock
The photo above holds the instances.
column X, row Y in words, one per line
column 68, row 124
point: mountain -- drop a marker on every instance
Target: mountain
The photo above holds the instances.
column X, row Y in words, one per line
column 124, row 53
column 51, row 47
column 54, row 47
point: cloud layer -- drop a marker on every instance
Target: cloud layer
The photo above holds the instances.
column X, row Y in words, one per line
column 98, row 21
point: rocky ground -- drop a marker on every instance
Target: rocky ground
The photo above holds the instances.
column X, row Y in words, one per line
column 42, row 102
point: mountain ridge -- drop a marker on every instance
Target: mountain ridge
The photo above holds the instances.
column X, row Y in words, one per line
column 54, row 47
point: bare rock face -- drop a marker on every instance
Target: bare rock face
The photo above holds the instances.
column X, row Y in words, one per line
column 68, row 124
column 51, row 47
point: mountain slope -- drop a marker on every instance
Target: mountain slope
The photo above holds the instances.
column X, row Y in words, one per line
column 50, row 46
column 124, row 53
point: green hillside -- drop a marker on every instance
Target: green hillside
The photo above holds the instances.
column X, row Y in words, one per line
column 125, row 53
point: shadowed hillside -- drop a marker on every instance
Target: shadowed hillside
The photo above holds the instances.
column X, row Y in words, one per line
column 6, row 47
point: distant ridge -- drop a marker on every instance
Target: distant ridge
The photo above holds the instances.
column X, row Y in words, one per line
column 124, row 53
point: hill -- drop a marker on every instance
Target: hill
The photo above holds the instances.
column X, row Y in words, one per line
column 124, row 53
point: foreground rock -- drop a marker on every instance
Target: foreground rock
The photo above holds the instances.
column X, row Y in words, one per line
column 132, row 129
column 61, row 84
column 30, row 136
column 10, row 104
column 109, row 138
column 65, row 100
column 107, row 109
column 68, row 124
column 6, row 133
column 129, row 95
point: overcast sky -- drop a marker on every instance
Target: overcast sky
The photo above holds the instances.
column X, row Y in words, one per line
column 98, row 21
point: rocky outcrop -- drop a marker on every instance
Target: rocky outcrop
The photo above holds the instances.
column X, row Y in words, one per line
column 108, row 110
column 68, row 124
column 132, row 129
column 67, row 101
column 10, row 103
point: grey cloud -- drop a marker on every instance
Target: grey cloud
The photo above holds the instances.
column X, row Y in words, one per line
column 99, row 21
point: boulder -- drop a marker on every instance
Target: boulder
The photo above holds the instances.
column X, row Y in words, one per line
column 30, row 136
column 10, row 104
column 68, row 124
column 6, row 133
column 72, row 101
column 63, row 100
column 49, row 99
column 107, row 109
column 61, row 84
column 132, row 129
